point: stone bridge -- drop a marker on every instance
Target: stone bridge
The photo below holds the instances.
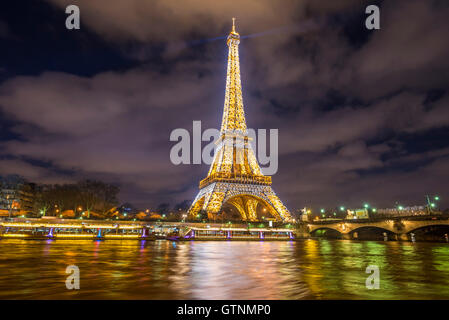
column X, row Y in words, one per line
column 400, row 227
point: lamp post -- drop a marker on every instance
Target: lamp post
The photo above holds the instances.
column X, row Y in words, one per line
column 431, row 205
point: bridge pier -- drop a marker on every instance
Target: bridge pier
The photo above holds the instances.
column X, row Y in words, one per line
column 402, row 237
column 346, row 236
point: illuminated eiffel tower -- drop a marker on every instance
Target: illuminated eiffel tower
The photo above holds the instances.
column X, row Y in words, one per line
column 235, row 178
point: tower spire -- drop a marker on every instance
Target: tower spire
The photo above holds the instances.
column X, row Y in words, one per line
column 233, row 115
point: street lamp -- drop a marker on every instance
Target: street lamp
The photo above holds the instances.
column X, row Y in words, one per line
column 322, row 210
column 342, row 208
column 366, row 205
column 431, row 205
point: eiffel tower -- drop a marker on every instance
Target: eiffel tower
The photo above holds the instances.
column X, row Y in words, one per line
column 235, row 179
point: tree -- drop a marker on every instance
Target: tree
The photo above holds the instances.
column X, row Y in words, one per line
column 181, row 209
column 84, row 196
column 43, row 200
column 183, row 206
column 163, row 208
column 107, row 198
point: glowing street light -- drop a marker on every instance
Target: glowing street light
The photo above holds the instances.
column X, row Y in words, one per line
column 374, row 210
column 431, row 205
column 342, row 208
column 366, row 205
column 322, row 210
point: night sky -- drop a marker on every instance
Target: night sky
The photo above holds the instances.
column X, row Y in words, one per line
column 363, row 116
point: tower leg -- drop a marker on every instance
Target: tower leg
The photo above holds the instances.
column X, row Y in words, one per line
column 244, row 197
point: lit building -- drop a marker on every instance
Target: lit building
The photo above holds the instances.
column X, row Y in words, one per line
column 404, row 211
column 16, row 196
column 357, row 214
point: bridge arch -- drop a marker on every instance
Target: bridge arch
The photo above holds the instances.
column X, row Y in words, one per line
column 430, row 232
column 250, row 207
column 440, row 226
column 371, row 232
column 410, row 226
column 325, row 231
column 314, row 227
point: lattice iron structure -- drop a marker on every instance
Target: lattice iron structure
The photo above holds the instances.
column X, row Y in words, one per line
column 234, row 176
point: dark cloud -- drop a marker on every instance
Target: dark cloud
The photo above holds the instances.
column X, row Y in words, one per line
column 344, row 101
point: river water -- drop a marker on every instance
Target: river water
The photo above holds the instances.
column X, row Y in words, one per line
column 307, row 269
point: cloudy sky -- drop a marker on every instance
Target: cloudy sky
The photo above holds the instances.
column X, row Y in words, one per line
column 363, row 116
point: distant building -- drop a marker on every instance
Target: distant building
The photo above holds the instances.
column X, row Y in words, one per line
column 305, row 214
column 357, row 214
column 16, row 195
column 404, row 211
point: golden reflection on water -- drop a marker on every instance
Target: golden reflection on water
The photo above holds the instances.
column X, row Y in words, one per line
column 309, row 269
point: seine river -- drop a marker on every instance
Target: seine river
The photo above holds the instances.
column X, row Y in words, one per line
column 308, row 269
